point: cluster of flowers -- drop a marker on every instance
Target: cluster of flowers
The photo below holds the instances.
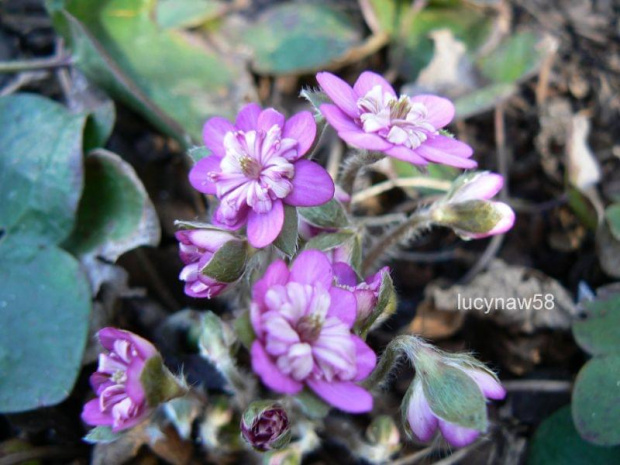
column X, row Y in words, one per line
column 306, row 311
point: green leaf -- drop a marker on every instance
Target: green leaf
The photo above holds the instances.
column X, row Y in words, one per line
column 328, row 215
column 612, row 216
column 228, row 263
column 454, row 396
column 599, row 333
column 158, row 383
column 101, row 435
column 174, row 81
column 596, row 401
column 299, row 38
column 45, row 306
column 287, row 240
column 40, row 168
column 556, row 442
column 244, row 329
column 483, row 99
column 519, row 55
column 115, row 213
column 186, row 13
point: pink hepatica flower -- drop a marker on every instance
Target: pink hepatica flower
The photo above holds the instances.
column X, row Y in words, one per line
column 366, row 292
column 424, row 422
column 371, row 116
column 256, row 167
column 303, row 325
column 121, row 401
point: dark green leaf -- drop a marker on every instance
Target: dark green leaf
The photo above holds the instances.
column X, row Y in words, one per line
column 228, row 263
column 299, row 38
column 244, row 329
column 596, row 401
column 599, row 333
column 329, row 215
column 40, row 168
column 115, row 213
column 483, row 99
column 287, row 240
column 175, row 82
column 45, row 302
column 312, row 406
column 612, row 216
column 556, row 442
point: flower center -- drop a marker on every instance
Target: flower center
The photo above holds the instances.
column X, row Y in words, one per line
column 119, row 377
column 309, row 327
column 255, row 171
column 399, row 120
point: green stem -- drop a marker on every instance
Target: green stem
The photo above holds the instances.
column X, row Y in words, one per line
column 17, row 66
column 354, row 164
column 416, row 222
column 407, row 345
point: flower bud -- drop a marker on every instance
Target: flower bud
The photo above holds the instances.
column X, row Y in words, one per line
column 130, row 381
column 467, row 208
column 216, row 338
column 265, row 426
column 449, row 393
column 213, row 259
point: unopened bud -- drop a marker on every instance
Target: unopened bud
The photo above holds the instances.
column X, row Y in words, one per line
column 467, row 208
column 265, row 426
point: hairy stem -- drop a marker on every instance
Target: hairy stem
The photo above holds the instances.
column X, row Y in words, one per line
column 353, row 165
column 416, row 222
column 17, row 66
column 408, row 345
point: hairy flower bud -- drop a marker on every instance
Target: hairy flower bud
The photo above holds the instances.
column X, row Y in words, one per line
column 265, row 426
column 213, row 259
column 449, row 393
column 467, row 208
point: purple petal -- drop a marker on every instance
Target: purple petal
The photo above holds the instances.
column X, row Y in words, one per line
column 365, row 359
column 209, row 239
column 213, row 134
column 134, row 387
column 345, row 275
column 440, row 110
column 447, row 151
column 92, row 415
column 276, row 273
column 131, row 422
column 456, row 435
column 406, row 154
column 302, row 128
column 198, row 176
column 269, row 373
column 100, row 381
column 343, row 306
column 269, row 118
column 484, row 186
column 108, row 335
column 312, row 185
column 240, row 220
column 312, row 267
column 363, row 140
column 489, row 385
column 338, row 119
column 344, row 395
column 263, row 228
column 422, row 420
column 340, row 92
column 368, row 80
column 247, row 119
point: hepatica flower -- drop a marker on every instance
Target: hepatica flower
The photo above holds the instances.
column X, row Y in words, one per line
column 371, row 116
column 424, row 422
column 256, row 167
column 121, row 399
column 303, row 326
column 366, row 292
